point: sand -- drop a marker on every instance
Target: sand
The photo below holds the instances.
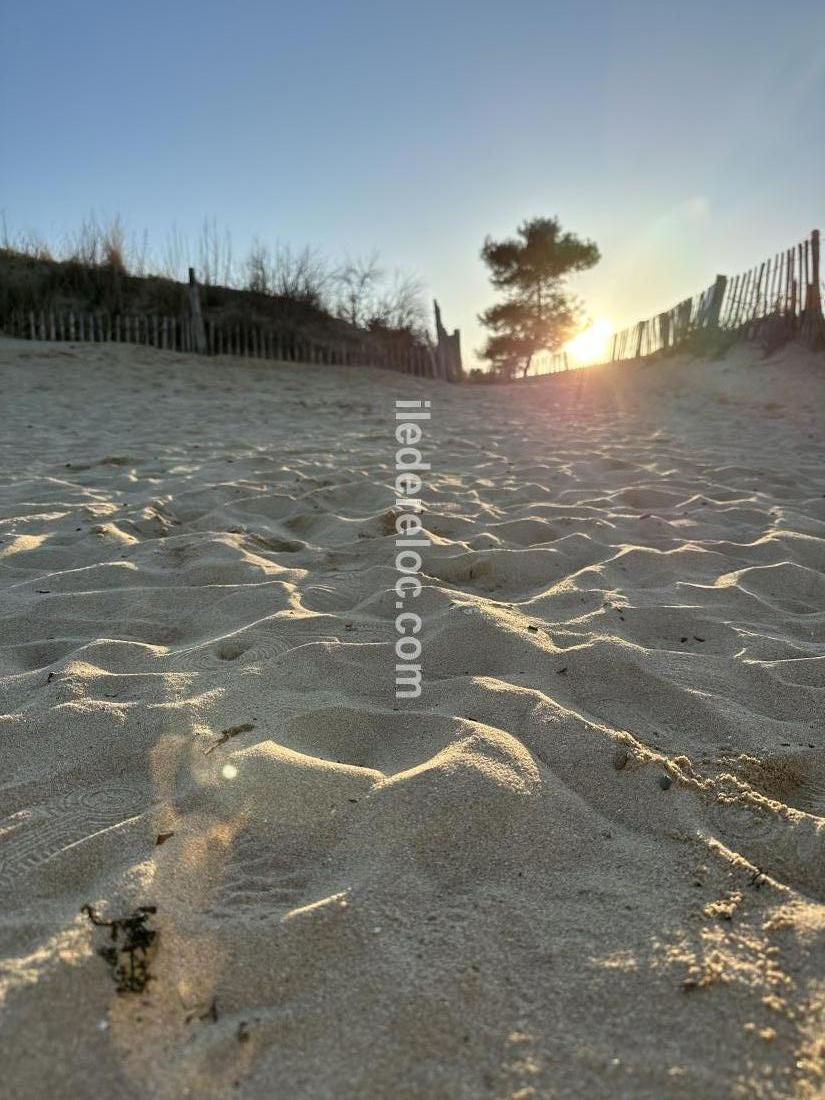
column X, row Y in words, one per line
column 588, row 862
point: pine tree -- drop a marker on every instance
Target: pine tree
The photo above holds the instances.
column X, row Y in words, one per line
column 537, row 313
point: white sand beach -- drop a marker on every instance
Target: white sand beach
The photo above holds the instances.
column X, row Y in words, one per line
column 588, row 862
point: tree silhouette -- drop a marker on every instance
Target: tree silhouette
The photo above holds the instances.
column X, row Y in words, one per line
column 537, row 313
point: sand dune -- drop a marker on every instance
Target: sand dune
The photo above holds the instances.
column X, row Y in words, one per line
column 588, row 861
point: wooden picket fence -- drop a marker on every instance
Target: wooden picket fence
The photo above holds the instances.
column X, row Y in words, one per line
column 248, row 341
column 779, row 299
column 552, row 363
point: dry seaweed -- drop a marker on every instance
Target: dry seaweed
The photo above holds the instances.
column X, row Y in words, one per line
column 127, row 955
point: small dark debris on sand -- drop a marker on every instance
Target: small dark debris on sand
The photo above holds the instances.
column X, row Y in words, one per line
column 211, row 1013
column 162, row 838
column 620, row 758
column 128, row 953
column 225, row 735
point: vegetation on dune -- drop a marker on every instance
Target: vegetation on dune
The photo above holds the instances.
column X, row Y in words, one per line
column 102, row 268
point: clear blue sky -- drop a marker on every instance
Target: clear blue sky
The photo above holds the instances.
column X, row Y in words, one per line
column 686, row 138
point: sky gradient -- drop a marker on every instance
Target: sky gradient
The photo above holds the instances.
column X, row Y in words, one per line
column 686, row 139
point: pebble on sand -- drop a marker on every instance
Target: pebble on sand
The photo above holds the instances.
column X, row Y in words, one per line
column 620, row 758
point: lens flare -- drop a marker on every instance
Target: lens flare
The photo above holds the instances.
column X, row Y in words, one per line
column 592, row 344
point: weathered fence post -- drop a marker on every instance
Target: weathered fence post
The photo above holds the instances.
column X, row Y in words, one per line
column 716, row 299
column 448, row 350
column 664, row 330
column 815, row 283
column 198, row 333
column 813, row 324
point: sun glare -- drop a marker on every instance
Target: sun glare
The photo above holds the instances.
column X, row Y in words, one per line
column 592, row 344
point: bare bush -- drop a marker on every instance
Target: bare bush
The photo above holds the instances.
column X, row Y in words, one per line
column 98, row 245
column 304, row 276
column 174, row 257
column 29, row 243
column 357, row 284
column 6, row 240
column 258, row 267
column 85, row 245
column 139, row 256
column 301, row 276
column 363, row 297
column 113, row 246
column 401, row 305
column 214, row 255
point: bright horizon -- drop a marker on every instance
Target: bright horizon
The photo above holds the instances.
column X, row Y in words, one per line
column 684, row 145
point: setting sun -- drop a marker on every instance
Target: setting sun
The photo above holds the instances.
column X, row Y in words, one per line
column 592, row 344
